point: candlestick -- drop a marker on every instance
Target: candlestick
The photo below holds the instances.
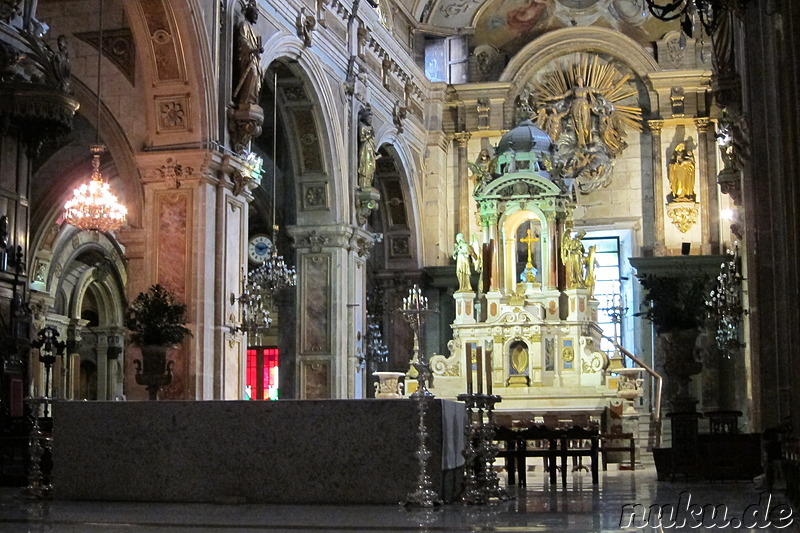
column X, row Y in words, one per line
column 468, row 369
column 479, row 356
column 488, row 371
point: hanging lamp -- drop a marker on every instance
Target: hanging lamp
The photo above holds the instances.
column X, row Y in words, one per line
column 93, row 206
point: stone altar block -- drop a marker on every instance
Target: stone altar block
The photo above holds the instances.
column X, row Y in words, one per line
column 289, row 451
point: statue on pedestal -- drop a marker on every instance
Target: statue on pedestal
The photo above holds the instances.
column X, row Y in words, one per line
column 248, row 87
column 681, row 173
column 246, row 116
column 366, row 148
column 572, row 255
column 463, row 254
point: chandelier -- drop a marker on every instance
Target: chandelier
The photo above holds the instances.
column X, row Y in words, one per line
column 93, row 207
column 725, row 305
column 708, row 11
column 253, row 304
column 259, row 287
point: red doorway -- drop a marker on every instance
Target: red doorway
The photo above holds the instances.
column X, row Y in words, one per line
column 262, row 372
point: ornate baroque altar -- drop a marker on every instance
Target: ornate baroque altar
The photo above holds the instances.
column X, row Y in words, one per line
column 529, row 323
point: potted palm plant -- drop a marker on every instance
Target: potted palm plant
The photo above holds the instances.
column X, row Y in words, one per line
column 155, row 320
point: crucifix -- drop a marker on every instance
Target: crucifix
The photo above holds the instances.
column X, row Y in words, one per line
column 529, row 271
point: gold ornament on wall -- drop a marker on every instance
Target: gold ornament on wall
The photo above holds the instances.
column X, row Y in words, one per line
column 682, row 206
column 579, row 105
column 683, row 214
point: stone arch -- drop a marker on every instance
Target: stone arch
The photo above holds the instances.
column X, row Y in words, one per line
column 306, row 68
column 75, row 272
column 396, row 148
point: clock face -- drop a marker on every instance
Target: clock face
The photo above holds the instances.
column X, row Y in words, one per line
column 259, row 248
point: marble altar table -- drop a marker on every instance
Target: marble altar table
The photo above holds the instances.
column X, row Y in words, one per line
column 288, row 451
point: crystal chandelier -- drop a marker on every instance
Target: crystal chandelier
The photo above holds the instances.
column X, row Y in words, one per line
column 375, row 350
column 725, row 305
column 93, row 207
column 253, row 304
column 708, row 11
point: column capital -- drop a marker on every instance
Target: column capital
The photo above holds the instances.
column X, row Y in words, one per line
column 702, row 124
column 462, row 138
column 315, row 239
column 655, row 125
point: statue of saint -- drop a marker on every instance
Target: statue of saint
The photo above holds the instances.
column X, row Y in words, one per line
column 248, row 88
column 366, row 148
column 681, row 173
column 573, row 257
column 463, row 254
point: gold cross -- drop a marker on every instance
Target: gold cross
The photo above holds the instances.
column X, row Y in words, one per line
column 529, row 240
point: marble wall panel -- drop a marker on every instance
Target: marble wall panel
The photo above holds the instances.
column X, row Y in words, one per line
column 315, row 304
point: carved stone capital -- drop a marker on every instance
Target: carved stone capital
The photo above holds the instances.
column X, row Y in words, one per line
column 244, row 124
column 702, row 124
column 656, row 126
column 367, row 199
column 462, row 138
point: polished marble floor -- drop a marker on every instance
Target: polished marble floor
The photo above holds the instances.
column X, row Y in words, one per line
column 539, row 507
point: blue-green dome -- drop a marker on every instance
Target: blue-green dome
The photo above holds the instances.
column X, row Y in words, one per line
column 526, row 137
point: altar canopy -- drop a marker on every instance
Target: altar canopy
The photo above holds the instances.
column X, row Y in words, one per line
column 528, row 323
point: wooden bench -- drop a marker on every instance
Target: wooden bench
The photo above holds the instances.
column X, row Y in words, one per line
column 561, row 443
column 607, row 447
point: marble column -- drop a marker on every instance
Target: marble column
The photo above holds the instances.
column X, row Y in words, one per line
column 325, row 334
column 709, row 206
column 196, row 208
column 463, row 203
column 659, row 196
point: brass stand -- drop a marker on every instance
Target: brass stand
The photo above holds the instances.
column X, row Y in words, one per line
column 481, row 482
column 414, row 309
column 38, row 443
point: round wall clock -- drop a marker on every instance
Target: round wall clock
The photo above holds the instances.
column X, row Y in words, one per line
column 259, row 248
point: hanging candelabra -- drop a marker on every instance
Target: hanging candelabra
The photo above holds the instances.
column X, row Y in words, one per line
column 709, row 12
column 375, row 350
column 259, row 286
column 725, row 305
column 93, row 207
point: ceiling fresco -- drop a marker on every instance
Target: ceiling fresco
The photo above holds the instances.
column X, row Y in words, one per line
column 508, row 25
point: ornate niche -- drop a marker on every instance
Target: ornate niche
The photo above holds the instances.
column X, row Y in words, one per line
column 586, row 104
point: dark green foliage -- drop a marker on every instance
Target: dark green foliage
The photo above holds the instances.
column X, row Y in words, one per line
column 676, row 302
column 156, row 317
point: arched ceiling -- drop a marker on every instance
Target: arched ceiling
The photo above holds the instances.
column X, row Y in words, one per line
column 510, row 24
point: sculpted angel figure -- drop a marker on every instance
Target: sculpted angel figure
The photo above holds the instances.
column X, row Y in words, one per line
column 481, row 168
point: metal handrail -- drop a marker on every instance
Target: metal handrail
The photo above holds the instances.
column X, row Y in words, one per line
column 655, row 375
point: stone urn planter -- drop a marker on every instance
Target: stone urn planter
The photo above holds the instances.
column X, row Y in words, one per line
column 152, row 370
column 389, row 384
column 155, row 320
column 630, row 385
